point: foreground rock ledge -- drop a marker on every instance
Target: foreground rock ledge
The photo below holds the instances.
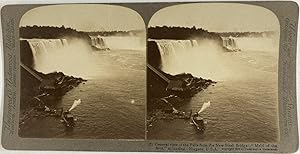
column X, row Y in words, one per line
column 181, row 87
column 52, row 87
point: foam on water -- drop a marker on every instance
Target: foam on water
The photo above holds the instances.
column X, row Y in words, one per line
column 208, row 59
column 244, row 102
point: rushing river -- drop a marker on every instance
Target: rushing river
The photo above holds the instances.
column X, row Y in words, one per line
column 112, row 101
column 244, row 103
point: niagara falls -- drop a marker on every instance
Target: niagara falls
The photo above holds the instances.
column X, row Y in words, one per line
column 83, row 77
column 213, row 74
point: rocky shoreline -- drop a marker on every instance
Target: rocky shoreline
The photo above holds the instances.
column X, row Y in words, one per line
column 162, row 106
column 44, row 95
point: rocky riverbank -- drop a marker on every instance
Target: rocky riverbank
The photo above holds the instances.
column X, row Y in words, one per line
column 45, row 94
column 165, row 98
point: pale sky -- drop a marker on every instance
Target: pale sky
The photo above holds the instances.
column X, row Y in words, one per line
column 85, row 17
column 217, row 17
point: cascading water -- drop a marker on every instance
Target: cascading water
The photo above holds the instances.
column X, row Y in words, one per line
column 247, row 86
column 43, row 47
column 72, row 58
column 192, row 56
column 115, row 81
column 209, row 60
column 98, row 42
column 170, row 52
column 229, row 43
column 118, row 42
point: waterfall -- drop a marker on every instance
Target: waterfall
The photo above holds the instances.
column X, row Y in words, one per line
column 98, row 42
column 118, row 42
column 74, row 57
column 192, row 56
column 207, row 59
column 229, row 43
column 41, row 48
column 171, row 51
column 171, row 47
column 44, row 45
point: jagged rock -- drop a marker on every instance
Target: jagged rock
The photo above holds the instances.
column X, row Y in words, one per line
column 186, row 85
column 53, row 86
column 57, row 83
column 181, row 87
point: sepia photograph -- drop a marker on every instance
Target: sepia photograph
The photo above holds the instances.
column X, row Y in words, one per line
column 83, row 72
column 150, row 77
column 212, row 73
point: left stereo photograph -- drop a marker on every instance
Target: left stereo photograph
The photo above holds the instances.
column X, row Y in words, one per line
column 82, row 72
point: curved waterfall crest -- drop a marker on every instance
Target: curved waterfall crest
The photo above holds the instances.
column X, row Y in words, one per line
column 42, row 48
column 190, row 56
column 171, row 47
column 39, row 46
column 171, row 52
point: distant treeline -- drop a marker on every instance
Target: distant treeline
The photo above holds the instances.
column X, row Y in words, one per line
column 166, row 32
column 116, row 33
column 49, row 32
column 248, row 34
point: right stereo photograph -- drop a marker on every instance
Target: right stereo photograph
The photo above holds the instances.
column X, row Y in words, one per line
column 212, row 73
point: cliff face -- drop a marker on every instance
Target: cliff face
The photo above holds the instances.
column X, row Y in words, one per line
column 26, row 54
column 153, row 54
column 29, row 88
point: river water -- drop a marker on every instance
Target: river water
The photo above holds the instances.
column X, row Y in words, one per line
column 244, row 103
column 112, row 101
